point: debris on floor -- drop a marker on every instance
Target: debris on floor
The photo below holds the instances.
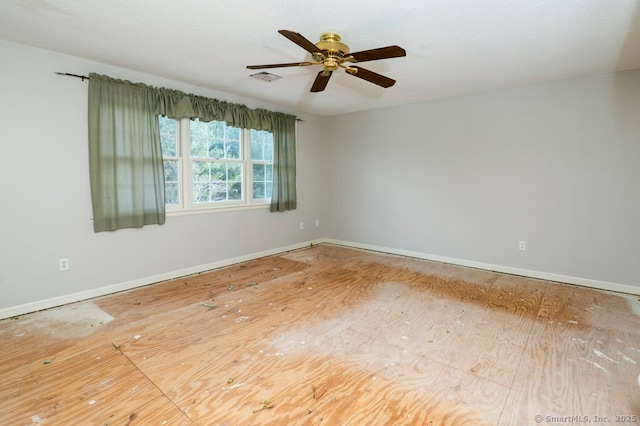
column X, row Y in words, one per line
column 266, row 405
column 208, row 306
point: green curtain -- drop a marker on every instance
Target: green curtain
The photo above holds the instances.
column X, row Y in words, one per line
column 284, row 164
column 125, row 156
column 127, row 174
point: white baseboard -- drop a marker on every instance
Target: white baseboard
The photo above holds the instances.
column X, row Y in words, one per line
column 584, row 282
column 115, row 288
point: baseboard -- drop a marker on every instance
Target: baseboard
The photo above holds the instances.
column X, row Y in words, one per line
column 584, row 282
column 115, row 288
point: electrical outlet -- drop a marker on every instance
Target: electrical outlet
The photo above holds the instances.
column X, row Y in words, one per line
column 317, row 223
column 301, row 225
column 522, row 246
column 63, row 264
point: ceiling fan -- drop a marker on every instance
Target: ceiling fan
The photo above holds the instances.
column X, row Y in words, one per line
column 332, row 54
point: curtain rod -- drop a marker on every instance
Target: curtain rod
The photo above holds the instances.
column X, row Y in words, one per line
column 84, row 77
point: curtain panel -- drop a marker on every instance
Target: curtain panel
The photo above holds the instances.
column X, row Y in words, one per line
column 284, row 196
column 127, row 175
column 125, row 156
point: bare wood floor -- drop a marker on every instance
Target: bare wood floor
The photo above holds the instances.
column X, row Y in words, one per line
column 328, row 336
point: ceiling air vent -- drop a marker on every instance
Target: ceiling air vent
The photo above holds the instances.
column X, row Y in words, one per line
column 265, row 76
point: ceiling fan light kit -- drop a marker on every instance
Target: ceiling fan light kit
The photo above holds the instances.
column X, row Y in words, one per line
column 332, row 53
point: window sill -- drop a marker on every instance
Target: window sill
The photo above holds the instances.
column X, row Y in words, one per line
column 207, row 210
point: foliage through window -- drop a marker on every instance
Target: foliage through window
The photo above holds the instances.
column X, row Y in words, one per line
column 210, row 164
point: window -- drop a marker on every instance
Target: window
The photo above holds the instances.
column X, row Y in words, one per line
column 212, row 165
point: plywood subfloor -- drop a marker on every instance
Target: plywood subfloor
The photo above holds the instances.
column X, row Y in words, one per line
column 328, row 336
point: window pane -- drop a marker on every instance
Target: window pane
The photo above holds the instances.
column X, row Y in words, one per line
column 201, row 192
column 234, row 172
column 216, row 129
column 171, row 184
column 170, row 170
column 215, row 140
column 201, row 137
column 232, row 150
column 216, row 149
column 199, row 146
column 258, row 172
column 256, row 149
column 218, row 172
column 235, row 191
column 216, row 181
column 168, row 138
column 218, row 191
column 262, row 151
column 231, row 133
column 201, row 171
column 171, row 194
column 268, row 152
column 258, row 190
column 262, row 181
column 261, row 145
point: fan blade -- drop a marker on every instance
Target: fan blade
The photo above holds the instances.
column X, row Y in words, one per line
column 300, row 41
column 379, row 53
column 321, row 81
column 372, row 77
column 291, row 64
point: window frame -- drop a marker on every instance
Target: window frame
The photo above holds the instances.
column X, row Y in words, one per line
column 185, row 203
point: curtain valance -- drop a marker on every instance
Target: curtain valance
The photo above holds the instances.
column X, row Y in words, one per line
column 177, row 104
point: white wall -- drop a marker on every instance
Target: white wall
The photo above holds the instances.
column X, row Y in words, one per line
column 467, row 178
column 46, row 206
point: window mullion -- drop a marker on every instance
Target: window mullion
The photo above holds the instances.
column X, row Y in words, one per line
column 248, row 176
column 187, row 165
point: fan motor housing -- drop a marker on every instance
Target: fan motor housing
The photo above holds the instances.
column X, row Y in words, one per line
column 330, row 42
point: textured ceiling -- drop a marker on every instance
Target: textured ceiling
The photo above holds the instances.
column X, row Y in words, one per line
column 454, row 47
